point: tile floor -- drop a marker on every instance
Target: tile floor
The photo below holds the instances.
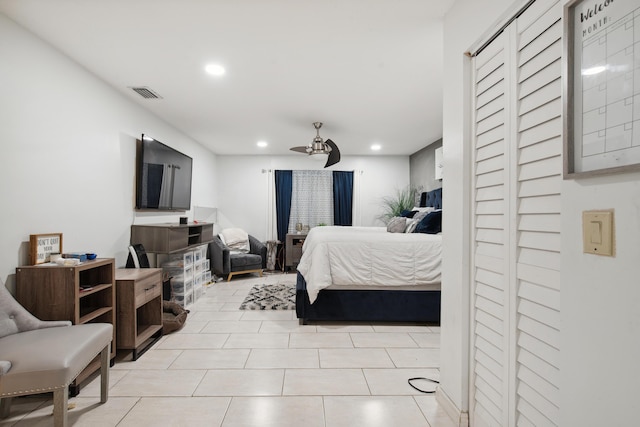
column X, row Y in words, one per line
column 228, row 367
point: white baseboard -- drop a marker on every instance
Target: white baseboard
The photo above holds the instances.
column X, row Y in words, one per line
column 461, row 418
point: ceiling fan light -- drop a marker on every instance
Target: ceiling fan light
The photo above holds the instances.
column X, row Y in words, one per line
column 319, row 157
column 321, row 150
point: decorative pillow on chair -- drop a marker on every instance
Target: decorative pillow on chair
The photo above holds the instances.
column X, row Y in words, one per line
column 236, row 239
column 397, row 224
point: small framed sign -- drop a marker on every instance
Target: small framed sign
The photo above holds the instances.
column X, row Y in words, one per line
column 42, row 246
column 601, row 99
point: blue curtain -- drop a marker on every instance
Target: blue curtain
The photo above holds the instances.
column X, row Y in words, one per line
column 342, row 197
column 283, row 201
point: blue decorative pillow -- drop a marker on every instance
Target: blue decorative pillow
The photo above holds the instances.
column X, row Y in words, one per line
column 407, row 213
column 430, row 224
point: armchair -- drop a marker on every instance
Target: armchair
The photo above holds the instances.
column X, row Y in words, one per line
column 46, row 356
column 226, row 262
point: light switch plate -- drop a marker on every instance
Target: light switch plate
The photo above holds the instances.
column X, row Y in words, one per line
column 598, row 232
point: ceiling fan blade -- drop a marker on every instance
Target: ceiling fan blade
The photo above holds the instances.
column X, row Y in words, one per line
column 334, row 154
column 301, row 149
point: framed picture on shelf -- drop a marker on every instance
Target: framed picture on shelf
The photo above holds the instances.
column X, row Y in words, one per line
column 601, row 109
column 41, row 246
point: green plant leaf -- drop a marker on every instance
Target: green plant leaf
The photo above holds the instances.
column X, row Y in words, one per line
column 392, row 206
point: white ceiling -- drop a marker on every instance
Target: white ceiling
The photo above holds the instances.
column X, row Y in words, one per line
column 370, row 70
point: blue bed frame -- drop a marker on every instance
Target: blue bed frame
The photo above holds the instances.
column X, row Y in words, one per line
column 372, row 305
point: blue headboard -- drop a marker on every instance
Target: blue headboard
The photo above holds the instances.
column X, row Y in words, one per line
column 431, row 198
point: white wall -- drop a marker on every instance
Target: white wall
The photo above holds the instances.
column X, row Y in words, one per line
column 600, row 300
column 68, row 154
column 244, row 195
column 465, row 23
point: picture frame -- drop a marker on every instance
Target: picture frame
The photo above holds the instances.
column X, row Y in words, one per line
column 601, row 131
column 41, row 246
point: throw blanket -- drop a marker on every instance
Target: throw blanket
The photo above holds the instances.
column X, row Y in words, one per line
column 236, row 239
column 368, row 256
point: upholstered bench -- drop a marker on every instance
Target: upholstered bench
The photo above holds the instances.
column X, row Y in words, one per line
column 39, row 357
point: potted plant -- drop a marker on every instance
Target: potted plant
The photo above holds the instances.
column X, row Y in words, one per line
column 403, row 199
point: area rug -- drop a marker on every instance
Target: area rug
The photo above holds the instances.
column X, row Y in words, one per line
column 270, row 297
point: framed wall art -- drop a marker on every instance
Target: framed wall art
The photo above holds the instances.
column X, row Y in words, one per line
column 601, row 87
column 42, row 246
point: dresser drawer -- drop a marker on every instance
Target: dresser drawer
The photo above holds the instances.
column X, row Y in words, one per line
column 148, row 289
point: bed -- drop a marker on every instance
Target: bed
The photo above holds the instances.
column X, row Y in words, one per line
column 369, row 274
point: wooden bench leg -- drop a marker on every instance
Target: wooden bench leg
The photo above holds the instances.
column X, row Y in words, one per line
column 5, row 406
column 60, row 407
column 104, row 373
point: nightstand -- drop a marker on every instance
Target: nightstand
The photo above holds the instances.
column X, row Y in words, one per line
column 139, row 308
column 293, row 248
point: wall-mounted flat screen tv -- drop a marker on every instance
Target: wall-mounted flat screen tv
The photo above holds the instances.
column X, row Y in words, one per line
column 163, row 177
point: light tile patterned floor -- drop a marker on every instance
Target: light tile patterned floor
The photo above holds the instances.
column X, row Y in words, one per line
column 232, row 368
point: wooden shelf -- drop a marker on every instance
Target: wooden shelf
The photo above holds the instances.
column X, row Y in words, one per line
column 94, row 289
column 147, row 331
column 94, row 313
column 54, row 293
column 170, row 238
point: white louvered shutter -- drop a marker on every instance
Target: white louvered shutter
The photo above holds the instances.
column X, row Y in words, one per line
column 491, row 234
column 516, row 257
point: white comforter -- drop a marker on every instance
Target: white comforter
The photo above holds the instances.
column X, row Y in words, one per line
column 368, row 256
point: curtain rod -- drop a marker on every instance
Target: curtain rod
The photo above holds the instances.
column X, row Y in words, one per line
column 495, row 35
column 271, row 170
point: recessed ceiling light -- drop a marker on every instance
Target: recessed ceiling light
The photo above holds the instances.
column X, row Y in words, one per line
column 376, row 147
column 594, row 70
column 262, row 144
column 215, row 69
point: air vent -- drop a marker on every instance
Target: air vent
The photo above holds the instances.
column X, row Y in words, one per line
column 146, row 93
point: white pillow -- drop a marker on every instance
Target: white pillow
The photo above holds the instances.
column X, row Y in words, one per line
column 411, row 225
column 236, row 239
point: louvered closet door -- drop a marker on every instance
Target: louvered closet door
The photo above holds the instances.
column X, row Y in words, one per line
column 491, row 257
column 516, row 259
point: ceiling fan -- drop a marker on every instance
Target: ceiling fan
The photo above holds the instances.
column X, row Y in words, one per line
column 320, row 147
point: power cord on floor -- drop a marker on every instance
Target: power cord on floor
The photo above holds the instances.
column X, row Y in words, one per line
column 424, row 379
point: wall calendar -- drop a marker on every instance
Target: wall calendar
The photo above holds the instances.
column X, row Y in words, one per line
column 602, row 87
